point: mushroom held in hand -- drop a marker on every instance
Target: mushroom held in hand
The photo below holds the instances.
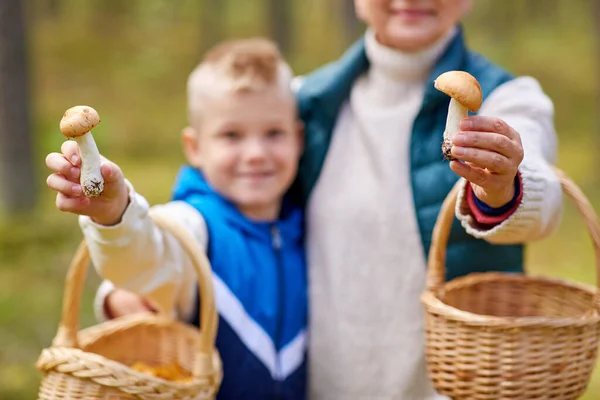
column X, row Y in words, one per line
column 76, row 124
column 466, row 95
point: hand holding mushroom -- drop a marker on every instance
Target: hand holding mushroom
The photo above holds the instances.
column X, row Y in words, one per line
column 484, row 150
column 81, row 174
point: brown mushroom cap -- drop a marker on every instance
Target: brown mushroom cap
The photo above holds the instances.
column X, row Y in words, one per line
column 78, row 121
column 462, row 87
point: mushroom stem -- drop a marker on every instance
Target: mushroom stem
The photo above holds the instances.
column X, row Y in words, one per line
column 456, row 112
column 91, row 179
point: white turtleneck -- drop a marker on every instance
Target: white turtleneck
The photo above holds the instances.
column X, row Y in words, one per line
column 366, row 261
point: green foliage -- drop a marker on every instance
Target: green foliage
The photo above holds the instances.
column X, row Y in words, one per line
column 130, row 61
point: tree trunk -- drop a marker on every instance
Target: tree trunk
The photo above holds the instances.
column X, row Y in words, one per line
column 280, row 24
column 17, row 178
column 352, row 25
column 52, row 8
column 211, row 21
column 596, row 22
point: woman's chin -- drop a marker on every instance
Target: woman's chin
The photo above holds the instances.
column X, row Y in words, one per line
column 408, row 39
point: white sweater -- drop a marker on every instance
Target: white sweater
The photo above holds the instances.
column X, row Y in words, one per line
column 366, row 262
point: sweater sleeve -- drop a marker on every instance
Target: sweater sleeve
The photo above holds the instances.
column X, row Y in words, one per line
column 138, row 256
column 523, row 105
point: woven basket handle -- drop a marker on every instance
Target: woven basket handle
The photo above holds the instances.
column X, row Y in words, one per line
column 437, row 253
column 69, row 324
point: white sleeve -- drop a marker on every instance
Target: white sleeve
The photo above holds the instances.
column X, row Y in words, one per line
column 101, row 293
column 524, row 106
column 138, row 256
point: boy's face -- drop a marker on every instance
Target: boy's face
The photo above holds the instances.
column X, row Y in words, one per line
column 248, row 146
column 411, row 25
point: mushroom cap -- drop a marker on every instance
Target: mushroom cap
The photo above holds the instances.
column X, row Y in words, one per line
column 78, row 120
column 462, row 87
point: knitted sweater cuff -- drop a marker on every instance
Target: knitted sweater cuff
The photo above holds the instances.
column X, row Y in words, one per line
column 488, row 216
column 524, row 220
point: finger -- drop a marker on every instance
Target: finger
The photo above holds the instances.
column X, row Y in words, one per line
column 71, row 204
column 59, row 164
column 483, row 123
column 62, row 185
column 121, row 302
column 472, row 174
column 111, row 172
column 71, row 152
column 488, row 141
column 493, row 161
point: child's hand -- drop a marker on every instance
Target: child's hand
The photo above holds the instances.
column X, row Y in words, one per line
column 120, row 302
column 108, row 208
column 492, row 152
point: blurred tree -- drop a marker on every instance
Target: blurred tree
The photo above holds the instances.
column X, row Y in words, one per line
column 596, row 14
column 503, row 19
column 114, row 8
column 17, row 179
column 52, row 8
column 280, row 23
column 211, row 22
column 352, row 25
column 540, row 10
column 111, row 17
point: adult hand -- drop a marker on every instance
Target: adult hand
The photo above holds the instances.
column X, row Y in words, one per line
column 492, row 152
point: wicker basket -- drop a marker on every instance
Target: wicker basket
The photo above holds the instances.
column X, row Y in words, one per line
column 510, row 336
column 94, row 363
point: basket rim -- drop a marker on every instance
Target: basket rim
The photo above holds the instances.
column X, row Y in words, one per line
column 95, row 332
column 125, row 370
column 434, row 304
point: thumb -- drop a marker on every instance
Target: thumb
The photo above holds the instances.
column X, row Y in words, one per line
column 111, row 172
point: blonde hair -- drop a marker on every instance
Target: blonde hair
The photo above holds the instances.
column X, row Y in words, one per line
column 244, row 65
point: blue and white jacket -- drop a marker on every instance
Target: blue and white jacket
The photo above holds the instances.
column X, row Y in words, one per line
column 259, row 276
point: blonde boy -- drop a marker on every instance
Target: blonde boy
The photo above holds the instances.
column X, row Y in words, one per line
column 242, row 146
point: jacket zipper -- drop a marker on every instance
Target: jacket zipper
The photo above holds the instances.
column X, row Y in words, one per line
column 276, row 241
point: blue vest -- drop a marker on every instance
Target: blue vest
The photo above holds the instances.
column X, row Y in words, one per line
column 259, row 277
column 323, row 93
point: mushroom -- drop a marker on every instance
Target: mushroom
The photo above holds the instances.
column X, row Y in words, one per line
column 76, row 123
column 465, row 94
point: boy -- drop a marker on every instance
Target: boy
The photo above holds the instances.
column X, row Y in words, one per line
column 243, row 146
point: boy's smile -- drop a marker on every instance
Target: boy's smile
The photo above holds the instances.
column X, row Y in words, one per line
column 256, row 177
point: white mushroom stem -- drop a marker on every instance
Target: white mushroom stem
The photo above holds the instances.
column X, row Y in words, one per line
column 456, row 112
column 91, row 179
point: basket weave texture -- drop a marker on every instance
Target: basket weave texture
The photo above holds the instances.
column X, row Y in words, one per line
column 94, row 363
column 510, row 336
